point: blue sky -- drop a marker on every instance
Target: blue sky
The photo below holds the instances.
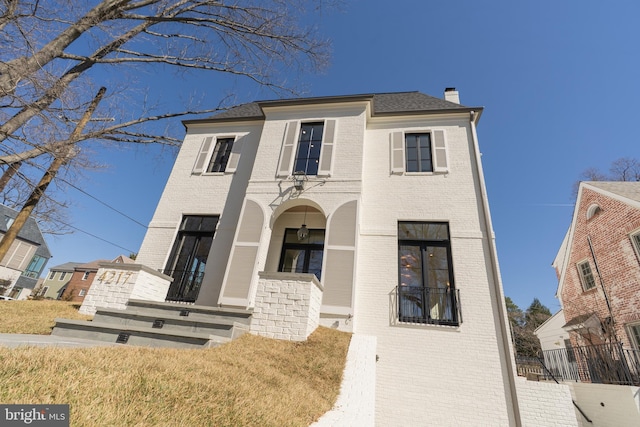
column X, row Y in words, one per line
column 557, row 79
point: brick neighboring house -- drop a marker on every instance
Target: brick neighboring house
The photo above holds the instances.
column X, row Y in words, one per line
column 56, row 280
column 598, row 265
column 82, row 278
column 26, row 258
column 380, row 200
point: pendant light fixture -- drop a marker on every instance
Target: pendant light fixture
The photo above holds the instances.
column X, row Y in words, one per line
column 303, row 232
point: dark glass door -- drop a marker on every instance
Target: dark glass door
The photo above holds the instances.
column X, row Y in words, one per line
column 189, row 257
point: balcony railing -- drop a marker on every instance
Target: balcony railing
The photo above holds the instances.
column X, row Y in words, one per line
column 602, row 364
column 417, row 304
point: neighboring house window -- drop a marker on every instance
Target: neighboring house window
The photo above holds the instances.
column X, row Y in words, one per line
column 34, row 268
column 220, row 156
column 82, row 292
column 426, row 291
column 52, row 275
column 419, row 152
column 592, row 211
column 302, row 256
column 309, row 145
column 63, row 274
column 586, row 275
column 635, row 240
column 44, row 290
column 85, row 276
column 634, row 331
column 189, row 255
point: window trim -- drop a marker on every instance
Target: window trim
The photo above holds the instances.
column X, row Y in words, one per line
column 85, row 276
column 583, row 277
column 52, row 275
column 82, row 292
column 439, row 151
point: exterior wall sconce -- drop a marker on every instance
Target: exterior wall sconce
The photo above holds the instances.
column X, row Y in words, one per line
column 299, row 177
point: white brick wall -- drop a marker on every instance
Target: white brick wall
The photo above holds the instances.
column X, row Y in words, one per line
column 287, row 306
column 545, row 404
column 115, row 284
column 356, row 403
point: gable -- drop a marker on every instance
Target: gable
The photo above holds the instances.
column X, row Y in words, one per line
column 600, row 234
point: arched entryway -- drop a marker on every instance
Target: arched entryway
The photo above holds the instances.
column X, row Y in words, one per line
column 297, row 240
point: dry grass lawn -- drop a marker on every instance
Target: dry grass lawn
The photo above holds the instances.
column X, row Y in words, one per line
column 251, row 381
column 35, row 317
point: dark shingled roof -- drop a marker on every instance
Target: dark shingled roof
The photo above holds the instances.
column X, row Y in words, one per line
column 383, row 104
column 30, row 231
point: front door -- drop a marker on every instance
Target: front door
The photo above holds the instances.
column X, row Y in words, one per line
column 302, row 256
column 189, row 257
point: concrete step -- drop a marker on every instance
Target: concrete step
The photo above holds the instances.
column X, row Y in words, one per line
column 191, row 311
column 135, row 335
column 166, row 320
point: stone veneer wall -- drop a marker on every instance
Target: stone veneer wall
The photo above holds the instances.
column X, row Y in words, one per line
column 115, row 284
column 287, row 306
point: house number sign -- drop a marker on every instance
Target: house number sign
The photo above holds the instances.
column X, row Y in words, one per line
column 115, row 276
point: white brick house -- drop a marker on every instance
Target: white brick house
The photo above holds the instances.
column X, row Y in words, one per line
column 397, row 232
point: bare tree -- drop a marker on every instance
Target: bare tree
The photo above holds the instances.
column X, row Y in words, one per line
column 622, row 169
column 51, row 48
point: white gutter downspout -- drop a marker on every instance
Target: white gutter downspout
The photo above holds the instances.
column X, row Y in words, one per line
column 506, row 346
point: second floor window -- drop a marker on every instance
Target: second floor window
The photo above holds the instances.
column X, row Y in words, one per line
column 220, row 156
column 586, row 275
column 35, row 267
column 85, row 276
column 309, row 144
column 418, row 152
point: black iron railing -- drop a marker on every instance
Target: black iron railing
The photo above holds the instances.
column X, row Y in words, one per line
column 603, row 364
column 437, row 306
column 185, row 286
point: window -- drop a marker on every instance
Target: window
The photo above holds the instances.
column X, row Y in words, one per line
column 82, row 292
column 308, row 147
column 634, row 331
column 220, row 156
column 309, row 144
column 223, row 156
column 302, row 256
column 419, row 152
column 52, row 275
column 188, row 257
column 426, row 291
column 586, row 275
column 44, row 291
column 35, row 267
column 417, row 147
column 635, row 241
column 63, row 274
column 85, row 276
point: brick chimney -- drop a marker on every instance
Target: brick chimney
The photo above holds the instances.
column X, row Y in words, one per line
column 451, row 95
